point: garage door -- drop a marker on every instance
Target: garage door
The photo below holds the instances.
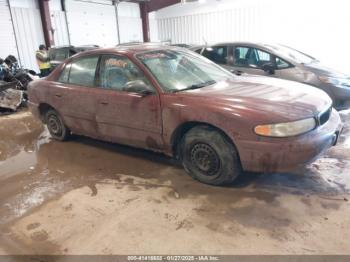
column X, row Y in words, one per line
column 91, row 23
column 7, row 36
column 130, row 23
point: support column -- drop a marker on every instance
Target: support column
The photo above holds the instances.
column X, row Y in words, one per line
column 146, row 8
column 145, row 22
column 46, row 22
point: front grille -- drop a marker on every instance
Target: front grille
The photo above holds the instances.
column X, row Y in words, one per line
column 324, row 116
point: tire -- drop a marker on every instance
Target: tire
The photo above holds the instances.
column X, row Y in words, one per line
column 209, row 157
column 56, row 126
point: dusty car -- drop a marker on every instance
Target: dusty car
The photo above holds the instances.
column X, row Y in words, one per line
column 281, row 62
column 174, row 101
column 60, row 53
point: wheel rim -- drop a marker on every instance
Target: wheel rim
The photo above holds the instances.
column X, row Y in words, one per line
column 205, row 159
column 54, row 125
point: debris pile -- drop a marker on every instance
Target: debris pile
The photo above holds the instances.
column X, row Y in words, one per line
column 13, row 84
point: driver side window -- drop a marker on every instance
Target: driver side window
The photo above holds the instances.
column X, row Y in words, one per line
column 116, row 72
column 250, row 57
column 241, row 56
column 257, row 58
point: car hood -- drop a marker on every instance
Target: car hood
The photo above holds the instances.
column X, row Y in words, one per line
column 319, row 69
column 276, row 99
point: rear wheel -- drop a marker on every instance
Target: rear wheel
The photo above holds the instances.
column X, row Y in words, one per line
column 209, row 157
column 55, row 125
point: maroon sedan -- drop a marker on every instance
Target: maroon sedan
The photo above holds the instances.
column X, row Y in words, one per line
column 174, row 101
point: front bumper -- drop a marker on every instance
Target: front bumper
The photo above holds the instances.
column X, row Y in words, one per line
column 286, row 154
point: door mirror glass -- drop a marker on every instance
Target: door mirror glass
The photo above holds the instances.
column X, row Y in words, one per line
column 269, row 68
column 138, row 86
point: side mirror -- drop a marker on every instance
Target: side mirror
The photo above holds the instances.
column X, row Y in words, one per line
column 269, row 68
column 236, row 72
column 140, row 87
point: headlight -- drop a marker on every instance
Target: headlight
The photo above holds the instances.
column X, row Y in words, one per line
column 335, row 81
column 286, row 129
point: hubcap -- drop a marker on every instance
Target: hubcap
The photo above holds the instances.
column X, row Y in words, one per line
column 205, row 159
column 54, row 125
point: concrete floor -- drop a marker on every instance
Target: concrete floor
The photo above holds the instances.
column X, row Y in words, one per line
column 90, row 197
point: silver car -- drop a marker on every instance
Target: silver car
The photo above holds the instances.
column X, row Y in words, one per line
column 282, row 62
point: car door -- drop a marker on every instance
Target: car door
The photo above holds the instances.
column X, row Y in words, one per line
column 74, row 95
column 124, row 116
column 219, row 54
column 250, row 60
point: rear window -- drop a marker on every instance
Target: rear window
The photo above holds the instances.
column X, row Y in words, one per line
column 83, row 71
column 58, row 54
column 80, row 72
column 65, row 74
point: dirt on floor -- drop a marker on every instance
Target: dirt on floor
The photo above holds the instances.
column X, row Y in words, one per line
column 89, row 197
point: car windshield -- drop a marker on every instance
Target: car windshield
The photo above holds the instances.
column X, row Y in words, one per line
column 292, row 54
column 182, row 70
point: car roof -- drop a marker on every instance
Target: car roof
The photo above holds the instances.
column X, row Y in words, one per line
column 263, row 46
column 132, row 49
column 76, row 47
column 267, row 46
column 234, row 43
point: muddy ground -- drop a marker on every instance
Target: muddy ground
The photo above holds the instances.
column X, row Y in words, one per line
column 91, row 197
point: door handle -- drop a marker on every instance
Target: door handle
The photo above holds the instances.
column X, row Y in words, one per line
column 104, row 103
column 58, row 95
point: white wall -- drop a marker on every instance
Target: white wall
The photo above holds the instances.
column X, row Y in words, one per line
column 317, row 27
column 58, row 23
column 55, row 5
column 59, row 26
column 24, row 3
column 154, row 36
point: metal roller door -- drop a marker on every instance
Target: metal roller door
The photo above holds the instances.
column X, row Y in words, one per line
column 92, row 23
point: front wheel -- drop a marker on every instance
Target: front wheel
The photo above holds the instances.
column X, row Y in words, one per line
column 55, row 125
column 209, row 157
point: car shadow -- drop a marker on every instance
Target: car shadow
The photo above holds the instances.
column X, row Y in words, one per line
column 305, row 180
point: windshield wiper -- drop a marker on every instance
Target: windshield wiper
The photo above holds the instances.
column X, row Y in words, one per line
column 196, row 86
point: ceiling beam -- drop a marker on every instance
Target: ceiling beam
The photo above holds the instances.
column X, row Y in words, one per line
column 154, row 5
